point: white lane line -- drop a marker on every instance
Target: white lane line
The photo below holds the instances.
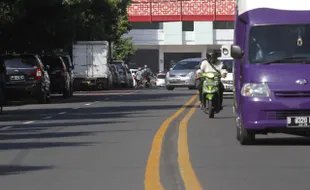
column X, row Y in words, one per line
column 48, row 117
column 5, row 128
column 76, row 108
column 61, row 113
column 87, row 104
column 28, row 122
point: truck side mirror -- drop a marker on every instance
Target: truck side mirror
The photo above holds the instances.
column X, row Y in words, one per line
column 236, row 52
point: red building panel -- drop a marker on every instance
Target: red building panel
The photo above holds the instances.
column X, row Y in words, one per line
column 181, row 10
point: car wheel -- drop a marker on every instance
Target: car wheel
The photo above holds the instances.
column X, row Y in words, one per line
column 244, row 136
column 71, row 90
column 170, row 88
column 1, row 100
column 66, row 93
column 42, row 99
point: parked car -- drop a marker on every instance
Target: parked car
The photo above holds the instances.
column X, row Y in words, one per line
column 2, row 83
column 115, row 75
column 160, row 79
column 228, row 81
column 130, row 78
column 183, row 74
column 122, row 73
column 133, row 73
column 59, row 75
column 70, row 68
column 26, row 76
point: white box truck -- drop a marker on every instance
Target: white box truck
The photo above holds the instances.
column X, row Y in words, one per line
column 91, row 70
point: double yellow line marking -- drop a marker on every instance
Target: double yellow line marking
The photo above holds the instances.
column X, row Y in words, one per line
column 187, row 172
column 152, row 173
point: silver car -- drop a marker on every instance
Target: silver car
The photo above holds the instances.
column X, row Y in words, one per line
column 183, row 74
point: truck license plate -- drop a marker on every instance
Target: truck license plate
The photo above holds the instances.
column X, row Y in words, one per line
column 299, row 121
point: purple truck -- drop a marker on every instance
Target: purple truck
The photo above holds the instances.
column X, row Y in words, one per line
column 272, row 68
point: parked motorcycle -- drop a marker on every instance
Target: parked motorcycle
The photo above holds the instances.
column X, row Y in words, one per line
column 210, row 92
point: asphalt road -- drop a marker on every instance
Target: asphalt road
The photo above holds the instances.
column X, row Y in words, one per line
column 149, row 139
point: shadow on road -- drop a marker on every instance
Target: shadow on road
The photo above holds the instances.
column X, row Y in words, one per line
column 19, row 169
column 137, row 97
column 9, row 134
column 39, row 145
column 85, row 112
column 284, row 141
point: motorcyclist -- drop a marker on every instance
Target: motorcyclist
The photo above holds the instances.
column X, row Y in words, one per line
column 138, row 76
column 207, row 66
column 146, row 72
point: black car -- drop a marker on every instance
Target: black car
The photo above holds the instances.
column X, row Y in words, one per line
column 2, row 83
column 59, row 75
column 26, row 76
column 70, row 68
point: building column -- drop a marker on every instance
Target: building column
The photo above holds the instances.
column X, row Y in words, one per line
column 161, row 65
column 204, row 53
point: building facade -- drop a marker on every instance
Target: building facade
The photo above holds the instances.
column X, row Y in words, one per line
column 166, row 31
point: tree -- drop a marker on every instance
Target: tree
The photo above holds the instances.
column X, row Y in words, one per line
column 33, row 25
column 123, row 48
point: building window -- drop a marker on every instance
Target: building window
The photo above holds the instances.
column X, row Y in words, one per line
column 147, row 25
column 223, row 25
column 187, row 26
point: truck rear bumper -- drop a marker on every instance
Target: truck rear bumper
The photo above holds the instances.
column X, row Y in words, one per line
column 81, row 83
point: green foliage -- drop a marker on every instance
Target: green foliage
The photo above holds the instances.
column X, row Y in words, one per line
column 123, row 48
column 33, row 25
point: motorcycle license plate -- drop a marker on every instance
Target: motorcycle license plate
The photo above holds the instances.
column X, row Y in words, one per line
column 213, row 83
column 299, row 121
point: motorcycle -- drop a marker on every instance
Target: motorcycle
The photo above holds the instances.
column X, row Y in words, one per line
column 211, row 93
column 146, row 83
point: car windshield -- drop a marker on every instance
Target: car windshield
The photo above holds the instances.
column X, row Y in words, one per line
column 53, row 62
column 20, row 62
column 279, row 43
column 185, row 65
column 228, row 64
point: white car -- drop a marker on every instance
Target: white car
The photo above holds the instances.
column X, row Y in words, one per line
column 160, row 79
column 133, row 71
column 228, row 81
